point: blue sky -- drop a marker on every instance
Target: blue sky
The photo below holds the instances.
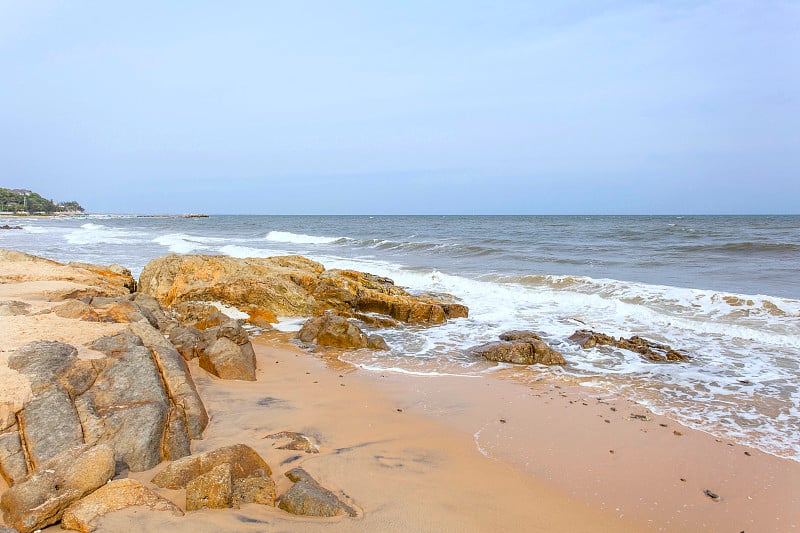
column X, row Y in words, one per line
column 404, row 107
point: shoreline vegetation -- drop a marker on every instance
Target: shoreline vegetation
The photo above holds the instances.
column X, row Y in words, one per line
column 182, row 393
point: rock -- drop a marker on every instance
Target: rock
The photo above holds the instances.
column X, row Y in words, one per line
column 41, row 499
column 226, row 352
column 121, row 312
column 115, row 274
column 338, row 332
column 201, row 315
column 259, row 490
column 652, row 351
column 297, row 441
column 176, row 442
column 376, row 342
column 13, row 466
column 150, row 336
column 244, row 460
column 212, row 490
column 14, row 308
column 308, row 498
column 519, row 347
column 150, row 308
column 181, row 389
column 49, row 424
column 114, row 344
column 288, row 286
column 43, row 362
column 127, row 406
column 187, row 340
column 114, row 496
column 6, row 226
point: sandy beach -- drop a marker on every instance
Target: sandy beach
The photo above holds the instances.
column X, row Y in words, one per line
column 501, row 452
column 454, row 454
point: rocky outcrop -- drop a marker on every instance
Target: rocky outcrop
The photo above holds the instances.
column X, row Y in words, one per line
column 519, row 347
column 288, row 286
column 335, row 331
column 41, row 499
column 226, row 352
column 652, row 351
column 308, row 498
column 140, row 398
column 114, row 496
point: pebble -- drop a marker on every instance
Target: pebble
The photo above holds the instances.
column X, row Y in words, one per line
column 712, row 495
column 677, row 433
column 502, row 420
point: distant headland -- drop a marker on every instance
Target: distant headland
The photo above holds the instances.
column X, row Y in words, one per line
column 25, row 202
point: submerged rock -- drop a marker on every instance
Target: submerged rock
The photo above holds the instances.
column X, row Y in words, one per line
column 652, row 351
column 519, row 347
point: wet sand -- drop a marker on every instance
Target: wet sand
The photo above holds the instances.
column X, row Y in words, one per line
column 450, row 453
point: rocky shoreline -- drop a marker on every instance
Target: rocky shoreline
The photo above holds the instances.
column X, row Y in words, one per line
column 134, row 404
column 103, row 411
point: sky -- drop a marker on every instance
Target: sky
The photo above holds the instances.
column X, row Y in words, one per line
column 414, row 107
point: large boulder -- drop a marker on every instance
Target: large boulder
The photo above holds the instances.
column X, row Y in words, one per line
column 334, row 331
column 652, row 351
column 519, row 347
column 114, row 496
column 244, row 460
column 41, row 499
column 212, row 490
column 226, row 352
column 288, row 286
column 127, row 406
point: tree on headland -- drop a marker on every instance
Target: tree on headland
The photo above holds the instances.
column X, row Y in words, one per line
column 25, row 201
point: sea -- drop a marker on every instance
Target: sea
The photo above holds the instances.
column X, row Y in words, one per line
column 725, row 290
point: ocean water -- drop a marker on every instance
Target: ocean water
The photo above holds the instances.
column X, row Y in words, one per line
column 724, row 290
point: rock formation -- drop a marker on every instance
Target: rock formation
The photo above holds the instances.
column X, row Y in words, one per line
column 335, row 331
column 118, row 494
column 308, row 498
column 519, row 347
column 41, row 499
column 287, row 286
column 652, row 351
column 228, row 476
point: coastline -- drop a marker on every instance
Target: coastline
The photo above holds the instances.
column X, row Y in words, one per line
column 442, row 453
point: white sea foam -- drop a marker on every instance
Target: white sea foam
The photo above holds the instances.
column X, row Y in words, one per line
column 180, row 243
column 242, row 252
column 299, row 238
column 90, row 233
column 289, row 325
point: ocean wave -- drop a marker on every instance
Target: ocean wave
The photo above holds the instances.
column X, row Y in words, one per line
column 90, row 233
column 746, row 247
column 299, row 238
